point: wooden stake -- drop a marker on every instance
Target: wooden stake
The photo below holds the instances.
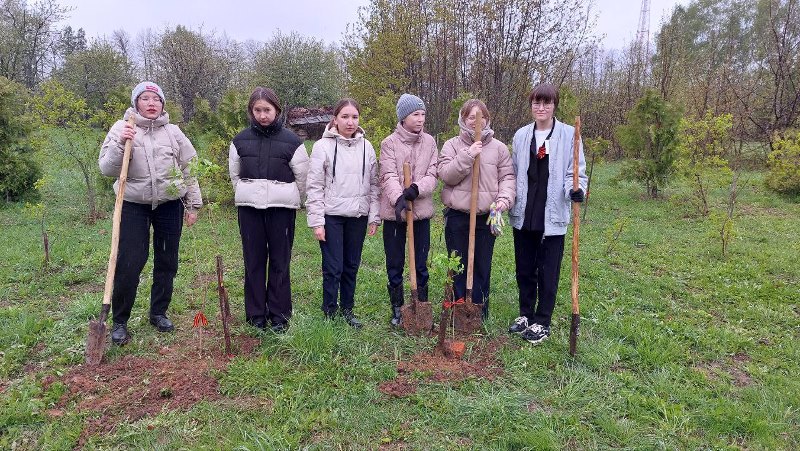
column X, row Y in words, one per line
column 576, row 317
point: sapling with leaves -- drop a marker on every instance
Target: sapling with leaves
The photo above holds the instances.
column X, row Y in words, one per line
column 38, row 212
column 68, row 133
column 443, row 268
column 596, row 148
column 705, row 146
column 200, row 169
column 722, row 223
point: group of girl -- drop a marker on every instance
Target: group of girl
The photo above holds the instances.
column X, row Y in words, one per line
column 349, row 193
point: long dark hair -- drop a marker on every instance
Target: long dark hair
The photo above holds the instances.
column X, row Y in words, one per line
column 263, row 94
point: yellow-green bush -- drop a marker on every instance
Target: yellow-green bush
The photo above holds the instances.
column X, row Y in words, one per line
column 784, row 164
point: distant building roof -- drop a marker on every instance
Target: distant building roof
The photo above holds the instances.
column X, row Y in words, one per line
column 303, row 116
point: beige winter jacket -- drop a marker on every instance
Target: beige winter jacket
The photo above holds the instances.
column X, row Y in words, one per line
column 159, row 168
column 418, row 149
column 342, row 178
column 497, row 180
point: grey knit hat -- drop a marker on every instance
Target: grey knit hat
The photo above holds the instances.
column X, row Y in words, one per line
column 407, row 104
column 146, row 86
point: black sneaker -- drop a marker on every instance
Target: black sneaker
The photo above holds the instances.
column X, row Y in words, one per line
column 119, row 334
column 351, row 319
column 162, row 323
column 258, row 322
column 519, row 325
column 536, row 333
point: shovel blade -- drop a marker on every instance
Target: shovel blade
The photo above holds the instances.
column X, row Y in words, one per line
column 95, row 343
column 417, row 318
column 573, row 334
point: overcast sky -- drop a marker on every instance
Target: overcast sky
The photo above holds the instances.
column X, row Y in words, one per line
column 322, row 19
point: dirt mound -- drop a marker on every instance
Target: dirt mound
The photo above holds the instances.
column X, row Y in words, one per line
column 482, row 364
column 134, row 387
column 417, row 318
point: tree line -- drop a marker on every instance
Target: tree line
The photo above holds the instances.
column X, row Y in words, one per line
column 727, row 57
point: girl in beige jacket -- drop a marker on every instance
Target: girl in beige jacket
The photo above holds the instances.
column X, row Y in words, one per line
column 342, row 205
column 496, row 185
column 160, row 193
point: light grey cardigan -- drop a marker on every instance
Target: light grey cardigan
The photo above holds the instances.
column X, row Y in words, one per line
column 557, row 206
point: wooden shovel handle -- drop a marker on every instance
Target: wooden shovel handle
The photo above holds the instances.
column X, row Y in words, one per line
column 575, row 214
column 412, row 260
column 123, row 179
column 473, row 207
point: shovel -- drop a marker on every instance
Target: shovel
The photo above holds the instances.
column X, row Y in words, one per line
column 576, row 316
column 418, row 316
column 467, row 316
column 96, row 341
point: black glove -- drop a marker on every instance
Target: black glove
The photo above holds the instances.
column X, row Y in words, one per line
column 411, row 193
column 576, row 196
column 399, row 207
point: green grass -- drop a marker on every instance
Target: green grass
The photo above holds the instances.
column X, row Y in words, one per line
column 679, row 347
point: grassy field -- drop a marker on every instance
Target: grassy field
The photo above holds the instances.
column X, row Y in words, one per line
column 680, row 348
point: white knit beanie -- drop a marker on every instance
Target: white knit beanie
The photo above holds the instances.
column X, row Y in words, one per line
column 146, row 86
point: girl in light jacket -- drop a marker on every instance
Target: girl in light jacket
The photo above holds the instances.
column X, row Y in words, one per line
column 268, row 165
column 408, row 144
column 342, row 205
column 543, row 163
column 495, row 185
column 159, row 193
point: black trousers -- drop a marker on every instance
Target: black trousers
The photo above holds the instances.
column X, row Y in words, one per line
column 394, row 245
column 267, row 240
column 341, row 256
column 134, row 247
column 538, row 264
column 456, row 236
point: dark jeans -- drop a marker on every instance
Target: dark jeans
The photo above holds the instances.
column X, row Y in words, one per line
column 341, row 256
column 267, row 239
column 538, row 268
column 134, row 246
column 394, row 245
column 456, row 235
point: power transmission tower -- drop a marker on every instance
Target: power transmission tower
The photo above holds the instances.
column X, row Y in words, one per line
column 642, row 45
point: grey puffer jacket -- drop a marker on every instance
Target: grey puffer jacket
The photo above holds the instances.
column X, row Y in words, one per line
column 496, row 173
column 159, row 168
column 342, row 178
column 559, row 183
column 418, row 149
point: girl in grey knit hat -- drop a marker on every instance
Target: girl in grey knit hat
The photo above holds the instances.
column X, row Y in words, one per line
column 408, row 144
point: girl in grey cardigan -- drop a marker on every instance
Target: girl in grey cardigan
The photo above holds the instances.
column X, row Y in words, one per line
column 543, row 165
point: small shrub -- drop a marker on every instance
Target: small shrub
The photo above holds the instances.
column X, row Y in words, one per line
column 650, row 140
column 784, row 164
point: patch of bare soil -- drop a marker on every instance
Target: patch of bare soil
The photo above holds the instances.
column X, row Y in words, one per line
column 434, row 367
column 135, row 387
column 734, row 368
column 417, row 318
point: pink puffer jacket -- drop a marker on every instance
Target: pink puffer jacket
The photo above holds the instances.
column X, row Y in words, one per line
column 420, row 151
